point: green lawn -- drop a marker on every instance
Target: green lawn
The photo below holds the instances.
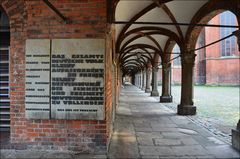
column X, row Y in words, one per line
column 217, row 103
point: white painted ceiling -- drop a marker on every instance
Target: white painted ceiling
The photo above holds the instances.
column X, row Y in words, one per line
column 182, row 10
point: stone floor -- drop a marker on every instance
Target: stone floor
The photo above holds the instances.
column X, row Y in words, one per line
column 145, row 128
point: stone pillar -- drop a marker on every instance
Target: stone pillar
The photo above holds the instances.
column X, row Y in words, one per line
column 140, row 82
column 147, row 90
column 166, row 96
column 133, row 80
column 143, row 80
column 186, row 106
column 236, row 136
column 136, row 80
column 154, row 84
column 236, row 132
column 237, row 34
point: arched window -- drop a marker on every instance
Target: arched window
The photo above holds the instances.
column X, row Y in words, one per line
column 228, row 46
column 176, row 52
column 4, row 73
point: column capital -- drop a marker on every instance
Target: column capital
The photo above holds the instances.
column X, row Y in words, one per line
column 188, row 58
column 155, row 69
column 166, row 67
column 148, row 69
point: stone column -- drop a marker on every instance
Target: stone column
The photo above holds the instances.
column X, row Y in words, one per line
column 154, row 84
column 140, row 82
column 236, row 136
column 133, row 80
column 166, row 96
column 236, row 132
column 147, row 90
column 186, row 106
column 137, row 80
column 143, row 80
column 237, row 34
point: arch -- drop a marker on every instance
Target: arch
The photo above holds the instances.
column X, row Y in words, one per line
column 168, row 48
column 205, row 14
column 128, row 54
column 158, row 30
column 140, row 35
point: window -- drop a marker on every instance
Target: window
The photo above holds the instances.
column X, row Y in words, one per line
column 229, row 46
column 176, row 52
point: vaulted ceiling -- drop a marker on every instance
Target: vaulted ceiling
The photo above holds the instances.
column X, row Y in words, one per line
column 146, row 28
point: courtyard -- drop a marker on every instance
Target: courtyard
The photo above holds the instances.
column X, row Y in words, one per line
column 217, row 106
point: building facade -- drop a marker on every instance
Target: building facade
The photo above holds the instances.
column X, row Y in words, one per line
column 217, row 64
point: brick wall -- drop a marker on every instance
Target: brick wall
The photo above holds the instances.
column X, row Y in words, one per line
column 33, row 19
column 223, row 71
column 210, row 68
column 220, row 70
column 176, row 75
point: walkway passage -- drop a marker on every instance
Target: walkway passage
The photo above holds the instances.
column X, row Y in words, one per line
column 145, row 128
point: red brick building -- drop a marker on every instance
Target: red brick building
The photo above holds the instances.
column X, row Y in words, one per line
column 217, row 64
column 62, row 64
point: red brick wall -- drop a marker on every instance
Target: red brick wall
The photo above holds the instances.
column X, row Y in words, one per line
column 219, row 70
column 223, row 71
column 176, row 75
column 33, row 19
column 211, row 35
column 159, row 76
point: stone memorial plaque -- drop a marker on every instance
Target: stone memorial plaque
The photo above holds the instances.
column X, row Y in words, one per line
column 77, row 79
column 37, row 78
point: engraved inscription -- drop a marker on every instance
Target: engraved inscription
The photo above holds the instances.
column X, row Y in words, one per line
column 77, row 82
column 65, row 81
column 37, row 96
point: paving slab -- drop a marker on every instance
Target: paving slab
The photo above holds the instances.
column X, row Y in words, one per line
column 187, row 131
column 161, row 133
column 156, row 150
column 189, row 141
column 195, row 150
column 149, row 134
column 223, row 151
column 149, row 157
column 167, row 142
column 145, row 141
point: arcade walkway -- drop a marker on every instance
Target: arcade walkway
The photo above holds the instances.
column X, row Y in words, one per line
column 145, row 128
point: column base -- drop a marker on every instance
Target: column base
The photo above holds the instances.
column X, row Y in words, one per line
column 143, row 88
column 236, row 139
column 154, row 93
column 165, row 99
column 186, row 110
column 147, row 90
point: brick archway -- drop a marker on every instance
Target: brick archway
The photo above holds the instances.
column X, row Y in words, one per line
column 205, row 14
